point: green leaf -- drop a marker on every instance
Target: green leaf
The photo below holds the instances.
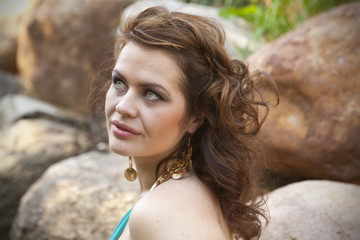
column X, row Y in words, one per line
column 246, row 12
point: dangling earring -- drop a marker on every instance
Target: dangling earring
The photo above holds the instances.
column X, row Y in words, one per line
column 130, row 173
column 188, row 155
column 178, row 169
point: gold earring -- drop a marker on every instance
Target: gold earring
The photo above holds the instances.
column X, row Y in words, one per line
column 178, row 169
column 130, row 173
column 188, row 155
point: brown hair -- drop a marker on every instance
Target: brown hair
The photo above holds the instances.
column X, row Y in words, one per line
column 223, row 92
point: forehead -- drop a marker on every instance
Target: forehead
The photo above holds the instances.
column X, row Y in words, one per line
column 148, row 64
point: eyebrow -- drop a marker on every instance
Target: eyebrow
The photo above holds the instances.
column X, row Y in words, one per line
column 154, row 85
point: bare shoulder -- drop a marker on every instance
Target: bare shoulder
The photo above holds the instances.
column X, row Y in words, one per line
column 182, row 209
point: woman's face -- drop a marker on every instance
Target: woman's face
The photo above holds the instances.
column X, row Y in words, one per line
column 145, row 109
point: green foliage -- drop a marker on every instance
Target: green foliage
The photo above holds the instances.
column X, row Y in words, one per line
column 314, row 7
column 247, row 12
column 220, row 3
column 271, row 18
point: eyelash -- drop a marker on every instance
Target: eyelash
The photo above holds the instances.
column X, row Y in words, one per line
column 116, row 80
column 158, row 96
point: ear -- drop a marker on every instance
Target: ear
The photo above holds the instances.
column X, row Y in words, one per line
column 194, row 123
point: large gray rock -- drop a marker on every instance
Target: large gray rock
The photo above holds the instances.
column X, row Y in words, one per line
column 314, row 210
column 9, row 84
column 16, row 106
column 82, row 197
column 238, row 31
column 27, row 149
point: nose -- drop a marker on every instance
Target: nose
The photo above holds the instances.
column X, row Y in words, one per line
column 127, row 106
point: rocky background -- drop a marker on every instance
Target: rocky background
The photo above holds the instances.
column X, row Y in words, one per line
column 57, row 178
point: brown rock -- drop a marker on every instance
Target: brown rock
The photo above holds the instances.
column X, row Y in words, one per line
column 11, row 14
column 314, row 210
column 315, row 131
column 83, row 197
column 62, row 45
column 27, row 149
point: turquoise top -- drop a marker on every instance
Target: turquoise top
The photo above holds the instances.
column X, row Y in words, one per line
column 120, row 227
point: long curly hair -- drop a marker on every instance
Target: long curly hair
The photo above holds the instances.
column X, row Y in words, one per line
column 221, row 91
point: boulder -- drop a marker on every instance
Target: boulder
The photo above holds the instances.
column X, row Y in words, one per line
column 17, row 106
column 27, row 149
column 238, row 31
column 62, row 45
column 317, row 209
column 82, row 197
column 315, row 131
column 11, row 14
column 10, row 83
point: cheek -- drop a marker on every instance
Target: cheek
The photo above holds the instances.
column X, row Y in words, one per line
column 168, row 123
column 109, row 104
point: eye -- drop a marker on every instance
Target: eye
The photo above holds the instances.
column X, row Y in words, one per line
column 152, row 96
column 119, row 84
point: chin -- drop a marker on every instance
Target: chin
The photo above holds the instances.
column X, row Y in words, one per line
column 118, row 149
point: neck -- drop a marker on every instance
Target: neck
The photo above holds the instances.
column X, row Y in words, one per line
column 146, row 171
column 146, row 175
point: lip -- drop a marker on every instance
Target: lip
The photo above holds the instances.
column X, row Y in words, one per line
column 122, row 130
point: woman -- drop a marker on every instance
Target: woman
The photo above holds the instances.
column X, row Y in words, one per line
column 186, row 114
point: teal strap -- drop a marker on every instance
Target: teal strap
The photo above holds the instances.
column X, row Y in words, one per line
column 120, row 227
